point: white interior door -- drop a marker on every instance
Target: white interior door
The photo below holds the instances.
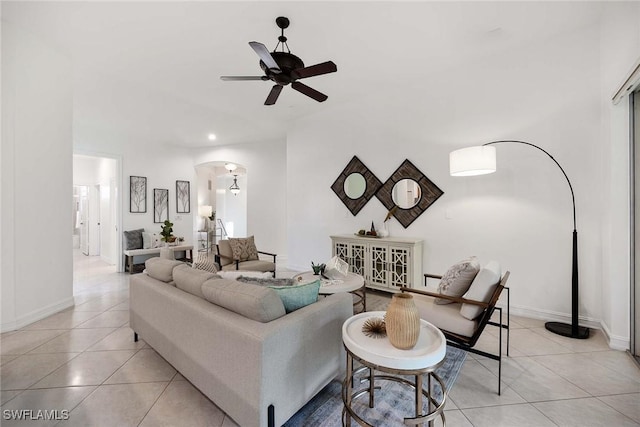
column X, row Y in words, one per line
column 94, row 220
column 84, row 220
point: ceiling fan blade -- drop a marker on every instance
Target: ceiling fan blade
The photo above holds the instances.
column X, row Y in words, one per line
column 315, row 70
column 273, row 95
column 265, row 56
column 310, row 92
column 242, row 78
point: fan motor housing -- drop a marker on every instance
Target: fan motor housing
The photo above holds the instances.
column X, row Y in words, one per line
column 287, row 63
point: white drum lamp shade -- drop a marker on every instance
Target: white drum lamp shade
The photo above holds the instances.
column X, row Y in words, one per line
column 205, row 210
column 470, row 161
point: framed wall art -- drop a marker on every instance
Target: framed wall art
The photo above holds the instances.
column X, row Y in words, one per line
column 160, row 205
column 183, row 196
column 137, row 194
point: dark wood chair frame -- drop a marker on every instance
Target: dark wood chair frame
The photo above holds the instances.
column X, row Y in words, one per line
column 484, row 319
column 218, row 258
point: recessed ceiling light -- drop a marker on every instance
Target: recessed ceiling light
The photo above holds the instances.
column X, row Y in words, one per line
column 211, row 136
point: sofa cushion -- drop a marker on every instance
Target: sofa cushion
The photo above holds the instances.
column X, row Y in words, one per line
column 243, row 249
column 298, row 296
column 133, row 239
column 445, row 317
column 191, row 279
column 258, row 303
column 161, row 269
column 481, row 289
column 458, row 278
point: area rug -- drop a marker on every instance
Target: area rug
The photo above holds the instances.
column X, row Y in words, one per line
column 392, row 402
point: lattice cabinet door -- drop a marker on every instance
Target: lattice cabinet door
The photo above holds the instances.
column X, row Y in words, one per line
column 379, row 265
column 341, row 250
column 357, row 259
column 400, row 267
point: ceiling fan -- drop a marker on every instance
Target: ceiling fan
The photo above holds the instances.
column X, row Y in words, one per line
column 284, row 67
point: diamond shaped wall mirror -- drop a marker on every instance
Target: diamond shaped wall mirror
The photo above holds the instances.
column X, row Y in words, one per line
column 410, row 190
column 355, row 185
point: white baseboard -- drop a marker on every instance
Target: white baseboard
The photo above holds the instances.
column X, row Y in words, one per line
column 36, row 315
column 616, row 342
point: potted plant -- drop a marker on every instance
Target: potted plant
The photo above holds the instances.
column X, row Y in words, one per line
column 167, row 232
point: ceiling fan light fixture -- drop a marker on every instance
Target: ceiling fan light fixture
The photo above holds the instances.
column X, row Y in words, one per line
column 284, row 68
column 235, row 189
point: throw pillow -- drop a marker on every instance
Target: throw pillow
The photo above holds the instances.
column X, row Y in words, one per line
column 266, row 281
column 147, row 240
column 296, row 297
column 482, row 288
column 133, row 239
column 456, row 281
column 244, row 249
column 206, row 263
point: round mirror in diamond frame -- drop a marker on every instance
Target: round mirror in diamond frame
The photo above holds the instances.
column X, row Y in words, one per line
column 406, row 193
column 355, row 185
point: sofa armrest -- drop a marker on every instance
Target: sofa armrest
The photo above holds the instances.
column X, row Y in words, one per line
column 446, row 297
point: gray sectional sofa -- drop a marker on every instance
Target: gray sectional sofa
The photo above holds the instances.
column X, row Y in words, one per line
column 234, row 342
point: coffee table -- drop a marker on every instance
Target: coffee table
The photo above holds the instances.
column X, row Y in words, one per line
column 377, row 354
column 353, row 283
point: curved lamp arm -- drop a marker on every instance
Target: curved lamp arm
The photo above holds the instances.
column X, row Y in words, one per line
column 573, row 199
column 476, row 161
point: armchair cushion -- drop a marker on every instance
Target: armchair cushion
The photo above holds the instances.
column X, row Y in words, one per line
column 251, row 266
column 456, row 281
column 225, row 252
column 445, row 317
column 243, row 249
column 481, row 289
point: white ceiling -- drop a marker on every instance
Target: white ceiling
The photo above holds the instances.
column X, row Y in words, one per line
column 152, row 68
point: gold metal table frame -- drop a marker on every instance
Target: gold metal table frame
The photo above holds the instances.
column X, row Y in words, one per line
column 434, row 408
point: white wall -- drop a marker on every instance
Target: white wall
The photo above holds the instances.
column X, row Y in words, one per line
column 266, row 167
column 620, row 50
column 36, row 180
column 546, row 93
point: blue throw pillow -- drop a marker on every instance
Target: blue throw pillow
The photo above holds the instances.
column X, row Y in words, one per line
column 295, row 297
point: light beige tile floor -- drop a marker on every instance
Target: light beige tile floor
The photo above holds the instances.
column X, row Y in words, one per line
column 84, row 360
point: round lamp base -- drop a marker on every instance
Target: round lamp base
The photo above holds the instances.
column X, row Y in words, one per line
column 566, row 330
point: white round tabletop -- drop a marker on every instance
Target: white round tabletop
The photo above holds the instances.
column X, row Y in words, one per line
column 429, row 350
column 351, row 283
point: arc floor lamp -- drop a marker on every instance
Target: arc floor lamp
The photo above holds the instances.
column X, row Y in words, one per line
column 481, row 160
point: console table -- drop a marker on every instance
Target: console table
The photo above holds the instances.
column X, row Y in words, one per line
column 377, row 354
column 386, row 263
